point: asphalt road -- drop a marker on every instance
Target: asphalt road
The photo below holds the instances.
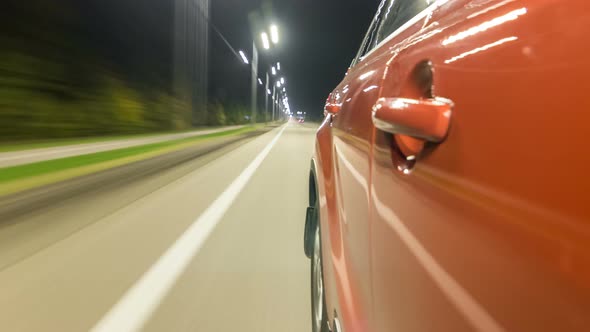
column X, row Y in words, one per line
column 15, row 158
column 214, row 244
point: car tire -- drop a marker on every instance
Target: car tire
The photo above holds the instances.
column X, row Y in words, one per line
column 319, row 317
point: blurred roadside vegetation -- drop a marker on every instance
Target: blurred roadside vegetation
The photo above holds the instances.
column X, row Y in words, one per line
column 71, row 68
column 23, row 177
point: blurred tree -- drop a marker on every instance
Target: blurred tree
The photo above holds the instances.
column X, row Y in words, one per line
column 216, row 114
column 78, row 68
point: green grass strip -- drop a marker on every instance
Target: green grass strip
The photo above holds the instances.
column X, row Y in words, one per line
column 39, row 144
column 84, row 164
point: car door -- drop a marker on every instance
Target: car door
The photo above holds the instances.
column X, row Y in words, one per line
column 349, row 228
column 472, row 225
column 352, row 135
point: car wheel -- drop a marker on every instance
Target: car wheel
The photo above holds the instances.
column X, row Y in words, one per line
column 318, row 301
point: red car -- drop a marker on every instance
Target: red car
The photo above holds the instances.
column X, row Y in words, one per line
column 450, row 186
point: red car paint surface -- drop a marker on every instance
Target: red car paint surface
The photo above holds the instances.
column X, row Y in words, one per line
column 488, row 229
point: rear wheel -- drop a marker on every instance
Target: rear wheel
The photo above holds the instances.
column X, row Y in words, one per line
column 318, row 301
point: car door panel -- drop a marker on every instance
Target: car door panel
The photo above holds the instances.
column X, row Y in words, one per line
column 351, row 129
column 350, row 233
column 486, row 230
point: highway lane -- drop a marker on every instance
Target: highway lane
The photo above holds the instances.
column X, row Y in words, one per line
column 15, row 158
column 67, row 267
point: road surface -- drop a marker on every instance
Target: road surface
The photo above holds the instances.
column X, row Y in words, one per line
column 214, row 244
column 15, row 158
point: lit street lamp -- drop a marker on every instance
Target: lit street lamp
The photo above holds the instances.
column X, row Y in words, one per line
column 274, row 34
column 266, row 44
column 265, row 41
column 244, row 58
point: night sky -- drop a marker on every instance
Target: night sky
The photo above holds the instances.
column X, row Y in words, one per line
column 319, row 39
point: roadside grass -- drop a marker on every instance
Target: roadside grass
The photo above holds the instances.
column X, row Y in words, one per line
column 39, row 144
column 23, row 177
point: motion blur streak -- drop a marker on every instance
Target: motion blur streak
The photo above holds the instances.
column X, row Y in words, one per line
column 134, row 309
column 511, row 16
column 63, row 267
column 41, row 154
column 76, row 69
column 481, row 49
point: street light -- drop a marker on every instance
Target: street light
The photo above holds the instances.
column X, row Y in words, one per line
column 265, row 41
column 278, row 84
column 274, row 34
column 259, row 81
column 266, row 44
column 282, row 80
column 244, row 57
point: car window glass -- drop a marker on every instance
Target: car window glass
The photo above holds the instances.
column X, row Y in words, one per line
column 397, row 13
column 371, row 35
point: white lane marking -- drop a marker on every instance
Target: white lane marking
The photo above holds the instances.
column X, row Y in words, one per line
column 474, row 312
column 137, row 305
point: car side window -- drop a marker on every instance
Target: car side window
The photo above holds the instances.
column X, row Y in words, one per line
column 371, row 36
column 397, row 13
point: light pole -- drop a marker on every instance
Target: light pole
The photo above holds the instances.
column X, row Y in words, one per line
column 273, row 71
column 266, row 94
column 276, row 105
column 274, row 101
column 254, row 87
column 268, row 75
column 266, row 44
column 267, row 41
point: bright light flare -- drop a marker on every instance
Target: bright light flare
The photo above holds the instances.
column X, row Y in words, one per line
column 260, row 81
column 244, row 57
column 511, row 16
column 278, row 65
column 265, row 41
column 278, row 84
column 480, row 49
column 274, row 71
column 274, row 34
column 282, row 80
